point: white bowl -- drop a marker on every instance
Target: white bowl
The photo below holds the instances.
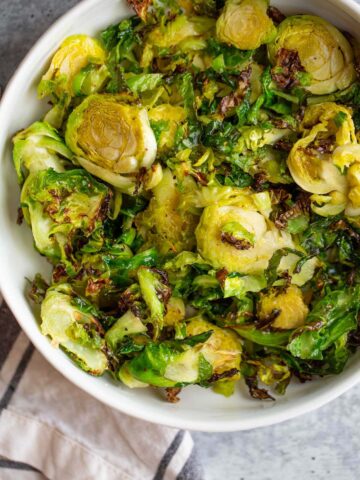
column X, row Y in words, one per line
column 199, row 409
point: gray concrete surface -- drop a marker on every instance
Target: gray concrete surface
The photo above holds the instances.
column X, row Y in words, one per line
column 324, row 445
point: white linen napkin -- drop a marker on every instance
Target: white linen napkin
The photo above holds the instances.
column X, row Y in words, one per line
column 51, row 429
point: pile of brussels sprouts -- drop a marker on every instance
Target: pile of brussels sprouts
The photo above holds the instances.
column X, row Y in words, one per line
column 195, row 186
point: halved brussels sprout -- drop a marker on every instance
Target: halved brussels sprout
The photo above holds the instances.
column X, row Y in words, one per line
column 39, row 147
column 181, row 31
column 287, row 307
column 77, row 332
column 311, row 162
column 75, row 53
column 245, row 24
column 323, row 50
column 224, row 250
column 162, row 223
column 59, row 206
column 223, row 348
column 112, row 140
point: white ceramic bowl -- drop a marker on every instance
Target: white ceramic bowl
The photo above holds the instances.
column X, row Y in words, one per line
column 199, row 409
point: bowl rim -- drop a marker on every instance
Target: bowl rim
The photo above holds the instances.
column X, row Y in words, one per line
column 74, row 375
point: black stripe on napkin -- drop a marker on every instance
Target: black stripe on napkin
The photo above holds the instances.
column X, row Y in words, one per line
column 6, row 398
column 192, row 470
column 170, row 452
column 9, row 332
column 5, row 463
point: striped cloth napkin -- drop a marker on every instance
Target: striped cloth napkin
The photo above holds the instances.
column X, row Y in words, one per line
column 50, row 429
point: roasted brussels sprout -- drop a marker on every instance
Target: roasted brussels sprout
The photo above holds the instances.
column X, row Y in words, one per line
column 182, row 31
column 287, row 308
column 310, row 162
column 223, row 348
column 61, row 206
column 112, row 140
column 237, row 239
column 39, row 147
column 324, row 52
column 75, row 53
column 76, row 331
column 245, row 24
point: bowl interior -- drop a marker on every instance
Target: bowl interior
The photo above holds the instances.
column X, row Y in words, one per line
column 199, row 409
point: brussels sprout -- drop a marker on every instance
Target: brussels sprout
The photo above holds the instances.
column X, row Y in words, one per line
column 156, row 293
column 222, row 250
column 77, row 332
column 39, row 147
column 245, row 24
column 75, row 53
column 128, row 324
column 60, row 206
column 223, row 348
column 287, row 307
column 181, row 32
column 162, row 224
column 112, row 140
column 324, row 52
column 311, row 165
column 209, row 350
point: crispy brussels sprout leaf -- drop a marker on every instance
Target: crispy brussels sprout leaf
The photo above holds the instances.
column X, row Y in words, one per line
column 127, row 325
column 331, row 317
column 156, row 293
column 263, row 337
column 60, row 206
column 75, row 331
column 39, row 147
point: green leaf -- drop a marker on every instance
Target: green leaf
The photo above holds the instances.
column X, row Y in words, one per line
column 139, row 83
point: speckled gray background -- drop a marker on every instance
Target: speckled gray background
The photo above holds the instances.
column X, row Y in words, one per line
column 324, row 445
